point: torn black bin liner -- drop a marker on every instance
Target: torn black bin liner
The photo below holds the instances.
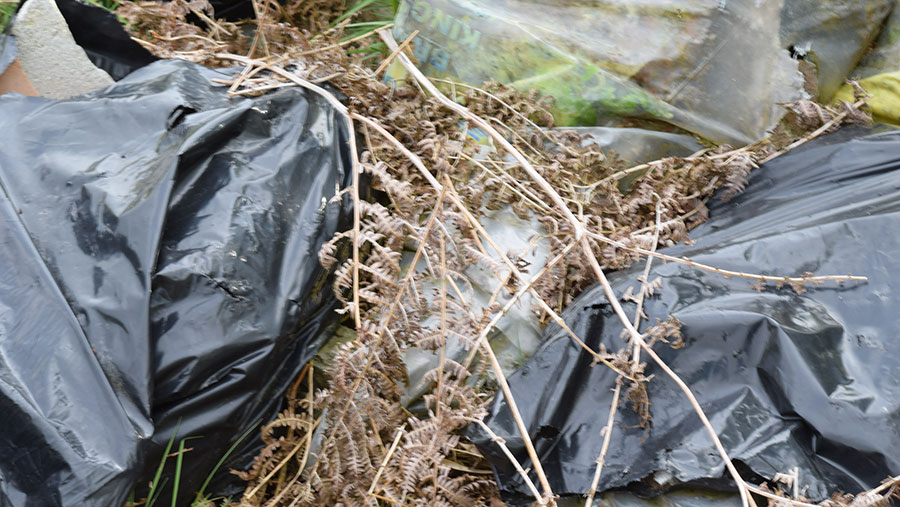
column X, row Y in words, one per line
column 158, row 243
column 101, row 36
column 807, row 380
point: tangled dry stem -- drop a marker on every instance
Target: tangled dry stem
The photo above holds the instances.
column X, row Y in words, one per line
column 417, row 154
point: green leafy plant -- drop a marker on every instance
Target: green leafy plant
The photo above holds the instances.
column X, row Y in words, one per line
column 7, row 9
column 373, row 15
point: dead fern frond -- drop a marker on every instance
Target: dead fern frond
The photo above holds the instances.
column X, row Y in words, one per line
column 422, row 301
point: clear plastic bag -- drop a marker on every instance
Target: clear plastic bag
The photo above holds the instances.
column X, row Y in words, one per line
column 716, row 69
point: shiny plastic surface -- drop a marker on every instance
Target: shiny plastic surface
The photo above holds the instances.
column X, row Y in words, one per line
column 158, row 244
column 101, row 36
column 808, row 380
column 714, row 68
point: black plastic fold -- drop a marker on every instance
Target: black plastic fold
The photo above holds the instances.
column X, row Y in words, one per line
column 103, row 39
column 159, row 269
column 808, row 380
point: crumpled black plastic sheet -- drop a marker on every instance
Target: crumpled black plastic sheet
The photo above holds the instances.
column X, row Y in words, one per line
column 158, row 243
column 103, row 39
column 808, row 380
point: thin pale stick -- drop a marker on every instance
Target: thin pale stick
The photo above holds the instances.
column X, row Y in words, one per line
column 579, row 229
column 783, row 499
column 385, row 321
column 343, row 43
column 498, row 370
column 512, row 459
column 299, row 81
column 355, row 167
column 181, row 37
column 386, row 499
column 729, row 273
column 260, row 32
column 462, row 299
column 244, row 75
column 403, row 45
column 636, row 357
column 645, row 284
column 357, row 317
column 816, row 133
column 417, row 162
column 521, row 292
column 455, row 199
column 677, row 219
column 891, row 482
column 384, row 462
column 746, row 499
column 442, row 358
column 510, row 108
column 503, row 176
column 490, row 130
column 307, row 440
column 283, row 462
column 606, row 437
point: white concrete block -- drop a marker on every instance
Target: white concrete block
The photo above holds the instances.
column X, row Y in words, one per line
column 51, row 59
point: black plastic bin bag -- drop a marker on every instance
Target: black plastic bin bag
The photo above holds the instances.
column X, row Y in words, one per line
column 158, row 243
column 104, row 40
column 808, row 380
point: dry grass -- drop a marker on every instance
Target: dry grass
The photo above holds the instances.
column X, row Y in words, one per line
column 352, row 438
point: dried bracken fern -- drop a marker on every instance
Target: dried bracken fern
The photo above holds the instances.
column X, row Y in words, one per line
column 163, row 28
column 359, row 440
column 884, row 495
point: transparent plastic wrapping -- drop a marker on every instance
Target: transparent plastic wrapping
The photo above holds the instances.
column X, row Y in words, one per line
column 711, row 68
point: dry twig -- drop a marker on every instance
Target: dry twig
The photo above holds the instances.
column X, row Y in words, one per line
column 579, row 236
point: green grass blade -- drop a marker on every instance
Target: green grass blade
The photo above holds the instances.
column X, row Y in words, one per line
column 175, row 484
column 95, row 3
column 155, row 495
column 368, row 24
column 202, row 492
column 353, row 10
column 375, row 51
column 7, row 9
column 155, row 488
column 178, row 460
